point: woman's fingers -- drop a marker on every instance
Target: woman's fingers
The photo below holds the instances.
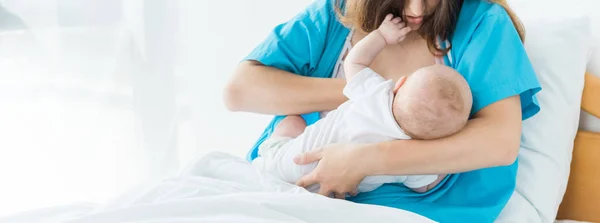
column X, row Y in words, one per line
column 340, row 195
column 324, row 191
column 397, row 20
column 307, row 180
column 308, row 157
column 353, row 193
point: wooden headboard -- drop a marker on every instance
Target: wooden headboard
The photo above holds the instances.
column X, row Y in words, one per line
column 582, row 198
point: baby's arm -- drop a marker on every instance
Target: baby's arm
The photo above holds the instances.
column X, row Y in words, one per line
column 391, row 31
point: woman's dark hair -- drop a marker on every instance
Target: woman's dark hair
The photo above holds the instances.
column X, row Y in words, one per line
column 439, row 22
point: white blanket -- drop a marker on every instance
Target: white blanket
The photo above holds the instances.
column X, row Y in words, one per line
column 220, row 188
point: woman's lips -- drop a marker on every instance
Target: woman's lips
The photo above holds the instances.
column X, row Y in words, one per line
column 414, row 20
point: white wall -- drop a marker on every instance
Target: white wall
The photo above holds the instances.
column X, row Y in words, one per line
column 212, row 39
column 97, row 97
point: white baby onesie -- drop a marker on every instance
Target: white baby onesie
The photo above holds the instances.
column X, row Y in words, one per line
column 365, row 118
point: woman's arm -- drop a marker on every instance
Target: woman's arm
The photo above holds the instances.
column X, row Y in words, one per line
column 268, row 90
column 490, row 139
column 503, row 95
column 277, row 77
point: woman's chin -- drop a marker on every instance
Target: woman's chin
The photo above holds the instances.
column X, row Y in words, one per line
column 414, row 27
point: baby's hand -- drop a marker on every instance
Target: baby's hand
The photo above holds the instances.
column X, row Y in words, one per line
column 393, row 29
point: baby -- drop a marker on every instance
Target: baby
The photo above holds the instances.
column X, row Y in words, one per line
column 431, row 103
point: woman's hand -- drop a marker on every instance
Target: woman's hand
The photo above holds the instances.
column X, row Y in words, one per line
column 338, row 172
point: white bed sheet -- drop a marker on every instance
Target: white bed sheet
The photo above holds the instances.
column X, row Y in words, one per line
column 219, row 188
column 222, row 188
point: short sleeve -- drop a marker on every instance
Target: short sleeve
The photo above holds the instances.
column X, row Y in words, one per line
column 366, row 82
column 496, row 65
column 297, row 45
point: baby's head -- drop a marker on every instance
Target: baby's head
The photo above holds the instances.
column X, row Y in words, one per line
column 433, row 102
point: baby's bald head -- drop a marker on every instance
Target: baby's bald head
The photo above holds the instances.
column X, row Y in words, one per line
column 434, row 102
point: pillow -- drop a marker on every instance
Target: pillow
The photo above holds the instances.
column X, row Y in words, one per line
column 558, row 48
column 592, row 11
column 589, row 122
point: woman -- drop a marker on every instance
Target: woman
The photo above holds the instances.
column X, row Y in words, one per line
column 289, row 74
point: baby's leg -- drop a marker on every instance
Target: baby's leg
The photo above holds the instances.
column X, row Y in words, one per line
column 431, row 185
column 275, row 152
column 291, row 126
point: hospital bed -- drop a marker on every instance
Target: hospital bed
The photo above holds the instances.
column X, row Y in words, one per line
column 222, row 187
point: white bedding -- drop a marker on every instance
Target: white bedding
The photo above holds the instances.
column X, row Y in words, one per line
column 219, row 188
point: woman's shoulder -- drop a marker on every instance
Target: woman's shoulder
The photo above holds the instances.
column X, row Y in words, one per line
column 320, row 9
column 474, row 15
column 319, row 15
column 475, row 12
column 479, row 9
column 484, row 34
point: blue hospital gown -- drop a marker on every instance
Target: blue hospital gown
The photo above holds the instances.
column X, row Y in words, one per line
column 486, row 50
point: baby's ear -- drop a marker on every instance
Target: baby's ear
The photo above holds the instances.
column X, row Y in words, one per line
column 399, row 84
